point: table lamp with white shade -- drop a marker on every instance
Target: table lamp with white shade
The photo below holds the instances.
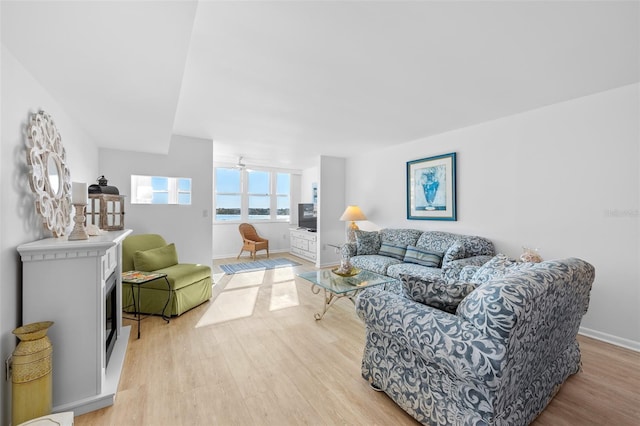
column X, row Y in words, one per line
column 352, row 214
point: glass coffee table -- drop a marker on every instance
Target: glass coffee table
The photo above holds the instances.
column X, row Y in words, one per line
column 336, row 287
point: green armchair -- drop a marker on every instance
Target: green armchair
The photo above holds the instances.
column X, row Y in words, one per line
column 190, row 283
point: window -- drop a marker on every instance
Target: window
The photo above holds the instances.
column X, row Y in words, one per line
column 259, row 195
column 251, row 195
column 184, row 191
column 160, row 190
column 228, row 199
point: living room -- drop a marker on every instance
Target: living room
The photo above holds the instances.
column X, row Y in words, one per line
column 561, row 176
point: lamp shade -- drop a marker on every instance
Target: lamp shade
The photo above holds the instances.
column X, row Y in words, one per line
column 353, row 213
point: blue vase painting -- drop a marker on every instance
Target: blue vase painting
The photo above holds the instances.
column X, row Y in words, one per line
column 431, row 188
column 432, row 181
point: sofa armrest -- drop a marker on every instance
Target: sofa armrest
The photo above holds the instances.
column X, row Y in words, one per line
column 436, row 336
column 436, row 292
column 348, row 250
column 451, row 271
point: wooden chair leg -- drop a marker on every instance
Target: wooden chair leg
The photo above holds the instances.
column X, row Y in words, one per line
column 241, row 250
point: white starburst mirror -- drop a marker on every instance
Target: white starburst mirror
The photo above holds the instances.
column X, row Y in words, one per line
column 49, row 175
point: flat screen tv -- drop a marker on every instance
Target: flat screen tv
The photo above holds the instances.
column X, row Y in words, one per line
column 307, row 217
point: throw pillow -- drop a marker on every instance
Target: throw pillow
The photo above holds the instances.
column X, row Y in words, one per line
column 423, row 257
column 499, row 266
column 454, row 252
column 367, row 242
column 392, row 250
column 436, row 292
column 154, row 259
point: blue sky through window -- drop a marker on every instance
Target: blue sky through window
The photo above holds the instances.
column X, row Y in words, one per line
column 160, row 198
column 228, row 180
column 184, row 185
column 283, row 183
column 259, row 182
column 259, row 193
column 160, row 190
column 160, row 183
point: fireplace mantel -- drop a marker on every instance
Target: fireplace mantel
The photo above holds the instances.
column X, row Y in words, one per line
column 64, row 282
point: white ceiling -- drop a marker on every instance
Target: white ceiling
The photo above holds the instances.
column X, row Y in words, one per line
column 281, row 82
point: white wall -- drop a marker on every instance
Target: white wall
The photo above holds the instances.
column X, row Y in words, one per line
column 563, row 178
column 189, row 227
column 22, row 96
column 310, row 177
column 331, row 205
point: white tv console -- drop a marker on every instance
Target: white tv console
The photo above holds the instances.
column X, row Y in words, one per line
column 64, row 282
column 303, row 244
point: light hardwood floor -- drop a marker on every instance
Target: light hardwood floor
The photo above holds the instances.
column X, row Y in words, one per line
column 254, row 355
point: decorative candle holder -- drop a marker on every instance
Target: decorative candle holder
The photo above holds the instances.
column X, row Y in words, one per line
column 79, row 232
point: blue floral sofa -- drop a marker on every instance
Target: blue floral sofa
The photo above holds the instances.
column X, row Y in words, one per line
column 426, row 254
column 497, row 358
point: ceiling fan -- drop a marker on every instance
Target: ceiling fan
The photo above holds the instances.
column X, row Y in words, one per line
column 240, row 165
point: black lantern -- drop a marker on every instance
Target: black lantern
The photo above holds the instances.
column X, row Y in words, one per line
column 106, row 206
column 103, row 188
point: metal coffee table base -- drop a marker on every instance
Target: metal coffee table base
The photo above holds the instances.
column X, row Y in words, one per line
column 337, row 286
column 330, row 298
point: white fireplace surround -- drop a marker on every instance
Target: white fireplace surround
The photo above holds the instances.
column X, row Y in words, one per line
column 64, row 282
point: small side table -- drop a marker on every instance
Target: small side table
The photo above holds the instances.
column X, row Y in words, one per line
column 140, row 278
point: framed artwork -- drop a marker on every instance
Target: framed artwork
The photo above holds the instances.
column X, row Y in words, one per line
column 431, row 188
column 314, row 190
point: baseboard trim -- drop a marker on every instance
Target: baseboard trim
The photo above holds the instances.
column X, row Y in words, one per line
column 614, row 340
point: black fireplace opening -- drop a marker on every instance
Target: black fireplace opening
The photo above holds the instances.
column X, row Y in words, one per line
column 110, row 309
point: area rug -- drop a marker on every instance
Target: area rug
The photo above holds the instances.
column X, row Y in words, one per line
column 258, row 265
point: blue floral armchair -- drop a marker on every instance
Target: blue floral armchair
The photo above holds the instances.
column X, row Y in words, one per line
column 498, row 359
